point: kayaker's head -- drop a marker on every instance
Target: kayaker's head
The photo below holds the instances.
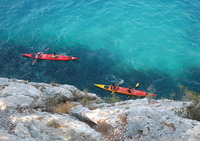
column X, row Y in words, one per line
column 54, row 55
column 113, row 84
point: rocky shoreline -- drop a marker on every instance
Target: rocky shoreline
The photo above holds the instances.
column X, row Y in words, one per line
column 52, row 112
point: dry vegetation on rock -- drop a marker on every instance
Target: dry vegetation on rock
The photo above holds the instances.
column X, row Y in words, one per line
column 112, row 99
column 64, row 107
column 193, row 110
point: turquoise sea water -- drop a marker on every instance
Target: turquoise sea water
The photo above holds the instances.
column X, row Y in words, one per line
column 155, row 43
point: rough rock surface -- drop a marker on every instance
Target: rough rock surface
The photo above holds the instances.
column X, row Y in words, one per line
column 26, row 113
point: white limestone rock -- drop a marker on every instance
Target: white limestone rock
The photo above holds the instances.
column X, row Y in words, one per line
column 45, row 126
column 138, row 120
column 58, row 92
column 127, row 120
column 15, row 95
column 19, row 93
column 5, row 136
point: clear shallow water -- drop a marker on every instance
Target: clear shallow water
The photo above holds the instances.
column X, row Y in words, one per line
column 155, row 43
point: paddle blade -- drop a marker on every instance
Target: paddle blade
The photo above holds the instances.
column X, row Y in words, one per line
column 137, row 85
column 34, row 61
column 122, row 81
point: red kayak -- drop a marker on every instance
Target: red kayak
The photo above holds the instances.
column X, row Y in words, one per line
column 125, row 91
column 49, row 57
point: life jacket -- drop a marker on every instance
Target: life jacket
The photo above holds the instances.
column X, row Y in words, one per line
column 54, row 56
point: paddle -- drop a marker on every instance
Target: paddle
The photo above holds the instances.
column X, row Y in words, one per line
column 137, row 85
column 120, row 82
column 38, row 57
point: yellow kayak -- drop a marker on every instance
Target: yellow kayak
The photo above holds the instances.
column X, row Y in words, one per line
column 125, row 91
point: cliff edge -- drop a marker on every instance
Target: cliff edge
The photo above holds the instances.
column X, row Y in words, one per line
column 45, row 112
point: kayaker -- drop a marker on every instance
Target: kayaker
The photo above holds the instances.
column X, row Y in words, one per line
column 38, row 54
column 130, row 89
column 54, row 55
column 113, row 86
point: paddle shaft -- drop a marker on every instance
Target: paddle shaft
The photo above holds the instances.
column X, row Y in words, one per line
column 117, row 86
column 38, row 57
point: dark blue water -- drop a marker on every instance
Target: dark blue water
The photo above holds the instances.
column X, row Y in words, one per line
column 154, row 43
